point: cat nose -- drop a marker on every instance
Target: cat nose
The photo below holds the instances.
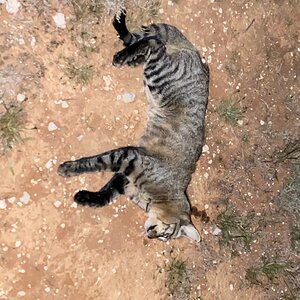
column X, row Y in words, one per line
column 151, row 233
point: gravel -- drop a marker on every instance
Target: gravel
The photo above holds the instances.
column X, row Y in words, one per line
column 52, row 126
column 126, row 97
column 25, row 198
column 59, row 20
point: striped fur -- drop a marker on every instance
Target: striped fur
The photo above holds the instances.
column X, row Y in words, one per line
column 155, row 175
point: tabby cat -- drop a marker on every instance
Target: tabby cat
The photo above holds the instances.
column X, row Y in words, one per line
column 155, row 174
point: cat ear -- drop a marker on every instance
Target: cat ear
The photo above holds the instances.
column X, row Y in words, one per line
column 190, row 232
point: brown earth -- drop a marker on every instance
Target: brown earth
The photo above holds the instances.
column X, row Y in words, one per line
column 51, row 249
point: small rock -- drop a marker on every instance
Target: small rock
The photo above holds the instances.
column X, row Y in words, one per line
column 47, row 290
column 74, row 205
column 11, row 200
column 126, row 97
column 216, row 231
column 231, row 286
column 52, row 126
column 107, row 79
column 12, row 6
column 49, row 164
column 57, row 203
column 64, row 104
column 240, row 122
column 21, row 97
column 80, row 137
column 18, row 243
column 33, row 41
column 21, row 42
column 205, row 149
column 21, row 293
column 3, row 204
column 25, row 198
column 59, row 20
column 262, row 122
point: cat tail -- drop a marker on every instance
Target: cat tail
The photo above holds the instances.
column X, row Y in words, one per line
column 119, row 24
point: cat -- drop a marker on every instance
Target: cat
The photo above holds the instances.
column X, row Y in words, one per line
column 155, row 175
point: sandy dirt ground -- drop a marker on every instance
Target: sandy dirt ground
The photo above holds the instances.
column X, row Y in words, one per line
column 52, row 249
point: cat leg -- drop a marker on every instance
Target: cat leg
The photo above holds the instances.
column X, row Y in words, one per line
column 113, row 189
column 123, row 160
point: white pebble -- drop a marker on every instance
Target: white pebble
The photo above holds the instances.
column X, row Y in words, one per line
column 47, row 289
column 240, row 122
column 2, row 204
column 80, row 137
column 205, row 149
column 108, row 80
column 33, row 41
column 126, row 97
column 25, row 198
column 57, row 203
column 262, row 122
column 59, row 20
column 74, row 205
column 21, row 97
column 52, row 126
column 11, row 200
column 216, row 231
column 18, row 243
column 64, row 104
column 21, row 294
column 12, row 6
column 49, row 164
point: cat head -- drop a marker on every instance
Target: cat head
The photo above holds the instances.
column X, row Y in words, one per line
column 169, row 221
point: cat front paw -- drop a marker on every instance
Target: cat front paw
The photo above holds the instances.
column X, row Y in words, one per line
column 119, row 58
column 67, row 169
column 93, row 199
column 83, row 197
